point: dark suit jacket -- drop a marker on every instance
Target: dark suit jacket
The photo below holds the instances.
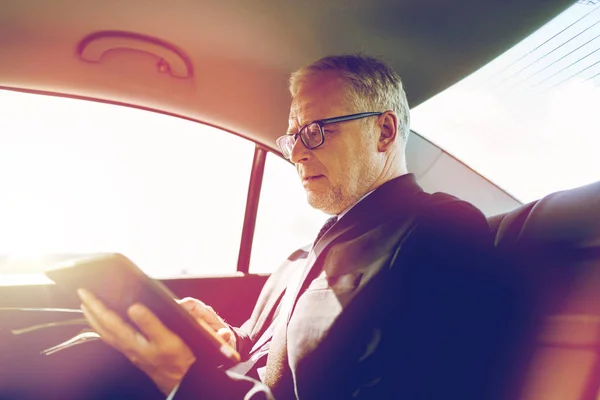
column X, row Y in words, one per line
column 408, row 305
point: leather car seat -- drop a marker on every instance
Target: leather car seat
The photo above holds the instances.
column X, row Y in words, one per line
column 556, row 240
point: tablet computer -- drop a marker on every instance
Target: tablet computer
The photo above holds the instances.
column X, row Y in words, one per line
column 119, row 283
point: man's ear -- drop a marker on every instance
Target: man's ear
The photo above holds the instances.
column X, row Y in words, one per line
column 388, row 129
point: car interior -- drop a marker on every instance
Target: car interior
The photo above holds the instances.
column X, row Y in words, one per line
column 224, row 66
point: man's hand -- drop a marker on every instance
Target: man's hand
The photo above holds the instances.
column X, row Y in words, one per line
column 201, row 311
column 156, row 350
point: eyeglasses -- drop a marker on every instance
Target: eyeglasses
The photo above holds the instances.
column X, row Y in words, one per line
column 312, row 135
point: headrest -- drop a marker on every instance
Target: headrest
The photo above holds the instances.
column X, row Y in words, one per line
column 567, row 218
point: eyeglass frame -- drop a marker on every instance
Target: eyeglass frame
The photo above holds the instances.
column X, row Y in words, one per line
column 321, row 123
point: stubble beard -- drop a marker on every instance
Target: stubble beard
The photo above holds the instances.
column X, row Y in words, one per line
column 330, row 202
column 335, row 200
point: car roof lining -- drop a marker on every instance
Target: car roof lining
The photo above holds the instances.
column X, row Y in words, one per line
column 243, row 52
column 255, row 45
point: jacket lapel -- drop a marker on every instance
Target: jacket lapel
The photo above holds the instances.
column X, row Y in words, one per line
column 387, row 200
column 365, row 216
column 272, row 301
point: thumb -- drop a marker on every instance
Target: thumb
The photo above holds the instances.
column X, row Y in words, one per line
column 189, row 304
column 225, row 334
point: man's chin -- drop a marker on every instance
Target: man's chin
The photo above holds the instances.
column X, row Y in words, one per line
column 322, row 202
column 316, row 200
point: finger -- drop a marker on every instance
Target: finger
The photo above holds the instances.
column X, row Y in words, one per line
column 189, row 303
column 105, row 318
column 95, row 324
column 94, row 309
column 149, row 324
column 195, row 306
column 108, row 324
column 88, row 299
column 97, row 308
column 225, row 334
column 200, row 310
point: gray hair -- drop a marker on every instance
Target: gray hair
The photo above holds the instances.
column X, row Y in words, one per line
column 373, row 85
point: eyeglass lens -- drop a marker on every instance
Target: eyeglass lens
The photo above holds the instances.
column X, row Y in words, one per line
column 311, row 135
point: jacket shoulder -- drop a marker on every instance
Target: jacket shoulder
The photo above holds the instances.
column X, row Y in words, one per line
column 449, row 215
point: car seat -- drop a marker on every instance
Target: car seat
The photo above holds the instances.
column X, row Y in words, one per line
column 556, row 240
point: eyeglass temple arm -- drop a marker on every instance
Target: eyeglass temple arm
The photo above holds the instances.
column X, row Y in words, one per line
column 348, row 117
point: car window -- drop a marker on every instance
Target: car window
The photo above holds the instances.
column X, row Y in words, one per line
column 85, row 177
column 528, row 120
column 285, row 221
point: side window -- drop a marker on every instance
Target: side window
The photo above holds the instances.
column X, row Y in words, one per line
column 84, row 177
column 285, row 220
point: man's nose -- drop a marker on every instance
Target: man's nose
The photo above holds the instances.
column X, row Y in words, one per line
column 299, row 152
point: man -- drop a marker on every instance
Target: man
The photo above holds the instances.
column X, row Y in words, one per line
column 394, row 301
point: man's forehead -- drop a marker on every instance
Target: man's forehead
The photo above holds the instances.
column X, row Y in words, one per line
column 304, row 110
column 318, row 97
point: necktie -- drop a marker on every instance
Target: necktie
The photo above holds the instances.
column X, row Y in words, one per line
column 278, row 375
column 328, row 224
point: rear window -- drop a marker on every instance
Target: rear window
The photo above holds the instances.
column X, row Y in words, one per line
column 528, row 121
